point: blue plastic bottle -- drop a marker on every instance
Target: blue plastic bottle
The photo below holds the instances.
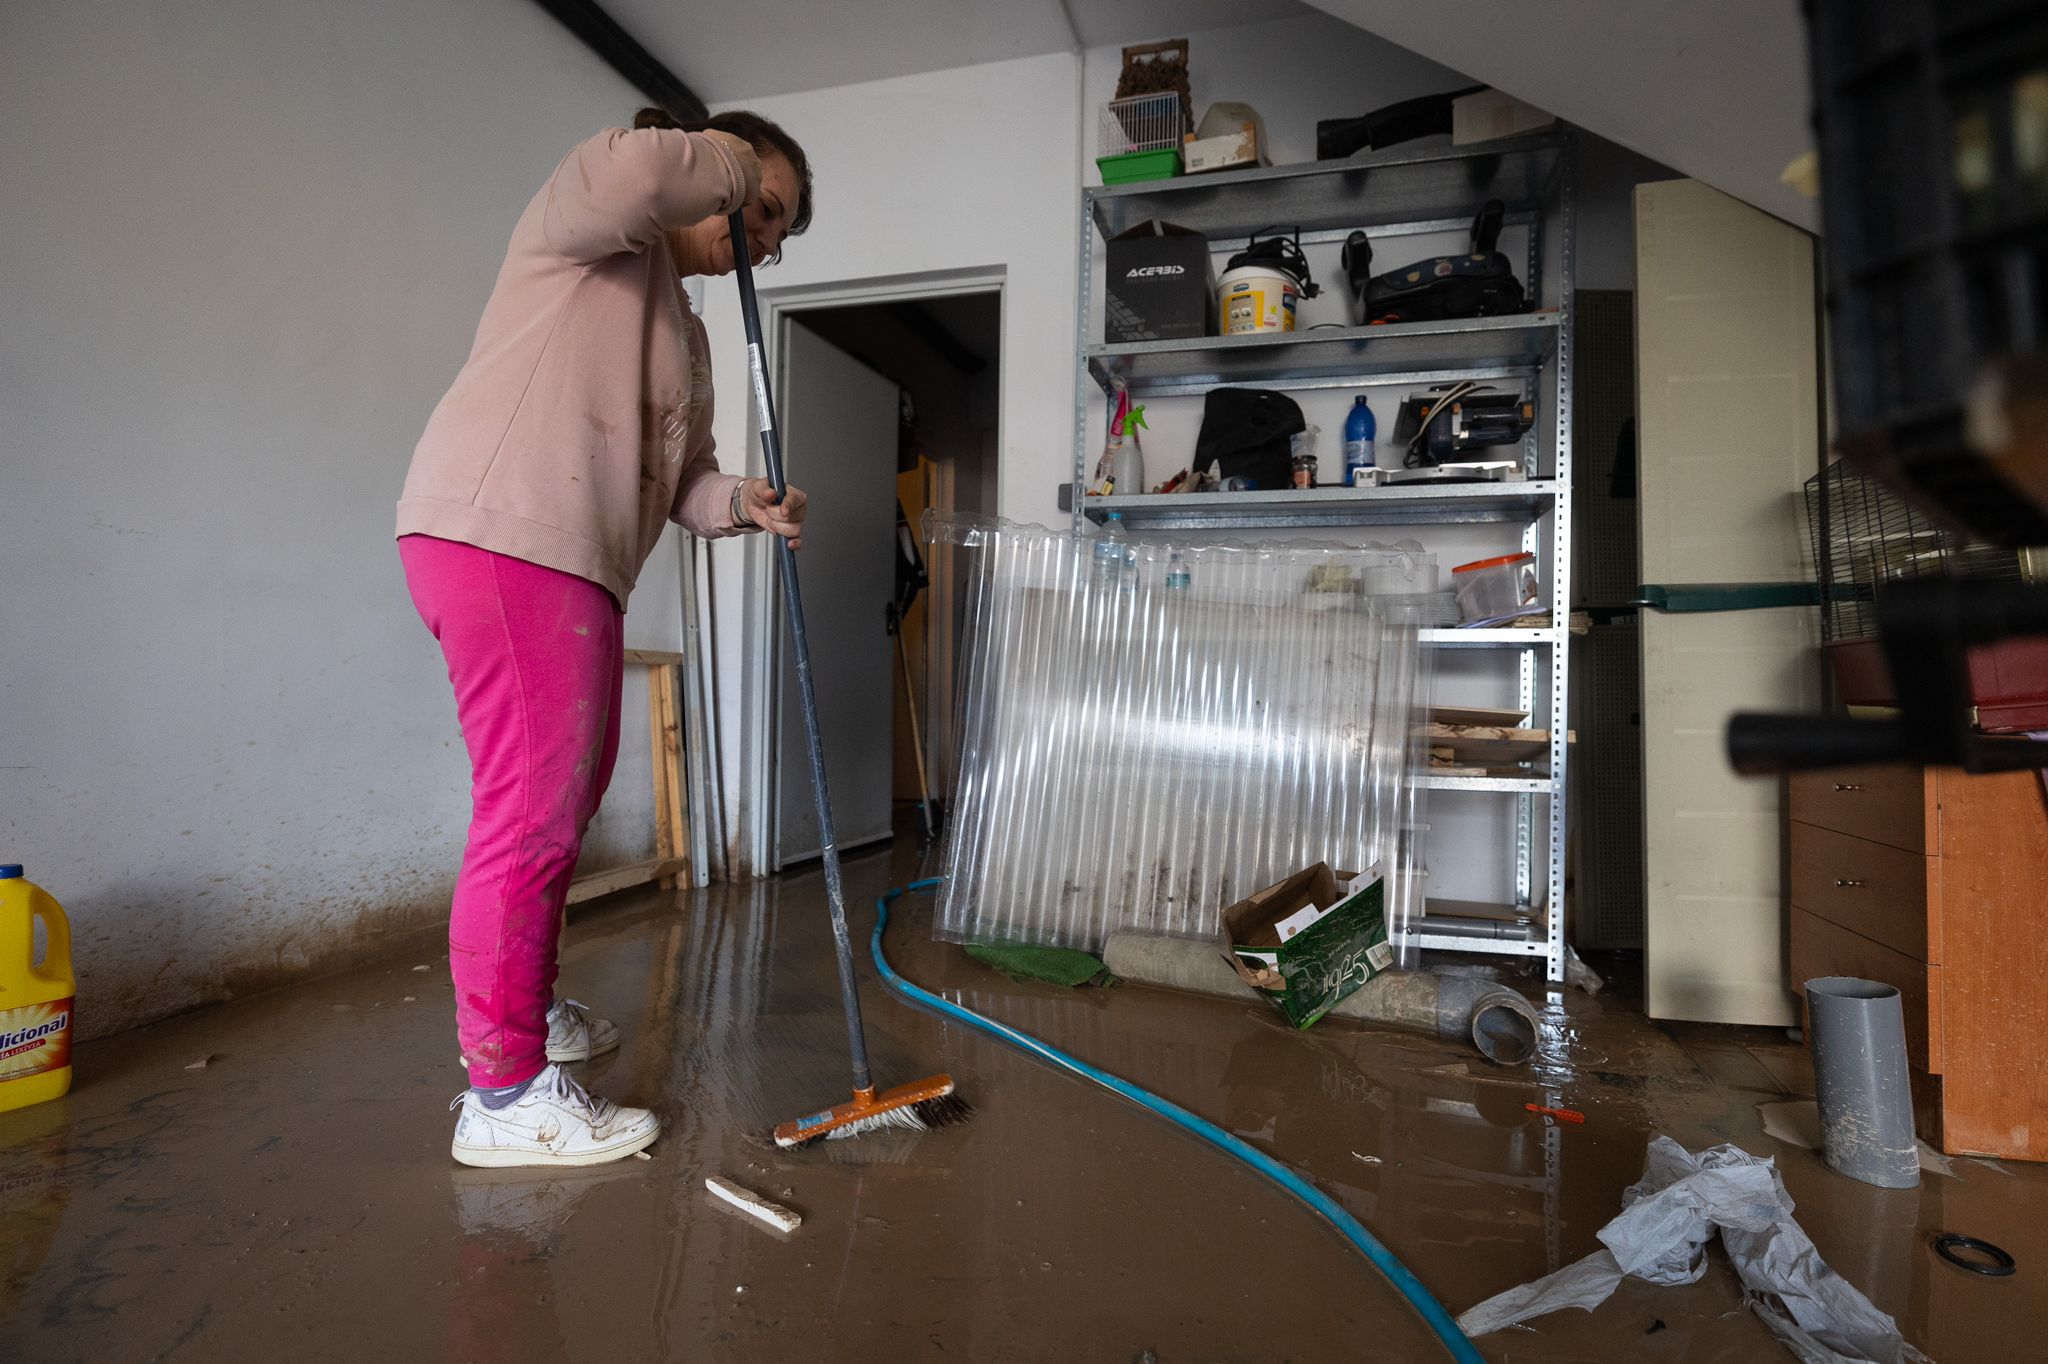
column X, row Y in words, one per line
column 1359, row 430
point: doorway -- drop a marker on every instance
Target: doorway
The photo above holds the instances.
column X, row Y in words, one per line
column 890, row 407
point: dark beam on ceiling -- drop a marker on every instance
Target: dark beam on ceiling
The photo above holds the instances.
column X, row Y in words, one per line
column 601, row 33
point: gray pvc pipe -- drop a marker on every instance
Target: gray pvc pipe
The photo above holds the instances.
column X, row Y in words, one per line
column 1496, row 1020
column 1859, row 1078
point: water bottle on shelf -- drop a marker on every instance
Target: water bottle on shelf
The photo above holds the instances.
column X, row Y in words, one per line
column 1177, row 577
column 1360, row 429
column 1111, row 551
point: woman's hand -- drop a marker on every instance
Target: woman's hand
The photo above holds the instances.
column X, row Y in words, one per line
column 785, row 517
column 748, row 160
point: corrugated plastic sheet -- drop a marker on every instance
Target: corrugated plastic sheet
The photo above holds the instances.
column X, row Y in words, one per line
column 1151, row 730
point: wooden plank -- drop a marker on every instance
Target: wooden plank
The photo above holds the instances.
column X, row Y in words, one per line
column 669, row 788
column 621, row 878
column 657, row 728
column 653, row 658
column 1865, row 887
column 1476, row 715
column 1442, row 762
column 1480, row 909
column 1994, row 868
column 1487, row 744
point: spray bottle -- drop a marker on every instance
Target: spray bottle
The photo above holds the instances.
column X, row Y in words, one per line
column 1120, row 454
column 1130, row 461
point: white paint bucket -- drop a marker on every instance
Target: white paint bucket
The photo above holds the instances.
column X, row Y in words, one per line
column 1257, row 298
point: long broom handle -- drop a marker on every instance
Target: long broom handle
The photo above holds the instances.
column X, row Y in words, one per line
column 924, row 792
column 793, row 607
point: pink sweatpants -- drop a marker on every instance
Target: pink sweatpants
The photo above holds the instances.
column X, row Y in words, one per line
column 537, row 658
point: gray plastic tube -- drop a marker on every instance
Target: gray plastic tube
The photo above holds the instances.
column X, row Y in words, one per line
column 1859, row 1078
column 1496, row 1020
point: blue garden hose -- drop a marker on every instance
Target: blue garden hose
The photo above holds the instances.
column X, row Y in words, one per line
column 1349, row 1227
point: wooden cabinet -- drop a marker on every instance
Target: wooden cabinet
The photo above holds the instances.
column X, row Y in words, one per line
column 1937, row 883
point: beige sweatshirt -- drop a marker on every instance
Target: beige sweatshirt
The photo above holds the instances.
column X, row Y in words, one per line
column 581, row 421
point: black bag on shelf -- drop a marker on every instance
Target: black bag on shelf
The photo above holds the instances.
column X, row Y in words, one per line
column 1246, row 430
column 1479, row 284
column 1427, row 116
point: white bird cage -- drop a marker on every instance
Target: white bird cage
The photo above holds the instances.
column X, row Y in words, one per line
column 1142, row 123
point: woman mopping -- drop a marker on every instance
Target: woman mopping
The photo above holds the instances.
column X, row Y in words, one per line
column 579, row 426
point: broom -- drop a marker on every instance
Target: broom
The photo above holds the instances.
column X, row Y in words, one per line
column 921, row 1104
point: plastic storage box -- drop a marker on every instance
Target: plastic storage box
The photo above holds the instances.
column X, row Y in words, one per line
column 1497, row 589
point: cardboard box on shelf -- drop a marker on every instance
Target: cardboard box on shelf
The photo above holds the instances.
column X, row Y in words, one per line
column 1490, row 115
column 1309, row 941
column 1160, row 284
column 1231, row 135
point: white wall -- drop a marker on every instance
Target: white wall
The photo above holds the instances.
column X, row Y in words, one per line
column 952, row 171
column 243, row 247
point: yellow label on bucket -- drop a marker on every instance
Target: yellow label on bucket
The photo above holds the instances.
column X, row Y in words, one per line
column 1248, row 307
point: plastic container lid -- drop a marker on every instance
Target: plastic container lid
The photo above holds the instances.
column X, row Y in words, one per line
column 9, row 870
column 1478, row 564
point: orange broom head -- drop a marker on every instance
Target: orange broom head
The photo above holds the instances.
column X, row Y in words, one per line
column 917, row 1106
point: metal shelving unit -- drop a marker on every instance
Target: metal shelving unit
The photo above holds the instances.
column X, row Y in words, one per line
column 1404, row 505
column 1389, row 195
column 1399, row 353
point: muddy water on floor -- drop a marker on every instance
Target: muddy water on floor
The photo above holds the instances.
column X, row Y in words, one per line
column 293, row 1197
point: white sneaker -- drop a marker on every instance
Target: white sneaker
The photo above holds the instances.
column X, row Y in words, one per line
column 573, row 1035
column 555, row 1122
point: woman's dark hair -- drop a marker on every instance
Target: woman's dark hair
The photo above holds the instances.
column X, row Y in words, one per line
column 761, row 134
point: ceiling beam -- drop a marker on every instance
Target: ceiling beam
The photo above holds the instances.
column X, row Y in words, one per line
column 601, row 33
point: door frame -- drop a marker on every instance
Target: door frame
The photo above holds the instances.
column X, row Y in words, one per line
column 755, row 819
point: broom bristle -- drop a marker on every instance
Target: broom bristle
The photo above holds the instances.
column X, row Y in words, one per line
column 893, row 1110
column 904, row 1118
column 949, row 1111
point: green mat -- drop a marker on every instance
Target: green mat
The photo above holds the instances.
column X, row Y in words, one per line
column 1030, row 961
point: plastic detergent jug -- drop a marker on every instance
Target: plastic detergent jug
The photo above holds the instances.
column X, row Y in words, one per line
column 35, row 1000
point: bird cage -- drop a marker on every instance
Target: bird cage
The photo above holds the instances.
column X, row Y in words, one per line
column 1865, row 537
column 1142, row 123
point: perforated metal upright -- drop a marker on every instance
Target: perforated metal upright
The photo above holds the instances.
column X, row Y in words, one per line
column 1389, row 194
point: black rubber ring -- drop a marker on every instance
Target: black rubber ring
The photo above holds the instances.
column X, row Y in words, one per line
column 1949, row 1242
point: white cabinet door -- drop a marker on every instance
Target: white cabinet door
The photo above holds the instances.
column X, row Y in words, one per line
column 839, row 423
column 1727, row 392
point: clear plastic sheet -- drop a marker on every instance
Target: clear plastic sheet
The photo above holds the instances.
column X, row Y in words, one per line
column 1148, row 731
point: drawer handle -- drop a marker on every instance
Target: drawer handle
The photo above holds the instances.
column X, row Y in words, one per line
column 1847, row 884
column 1848, row 786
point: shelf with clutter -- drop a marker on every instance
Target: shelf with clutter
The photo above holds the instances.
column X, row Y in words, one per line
column 1236, row 331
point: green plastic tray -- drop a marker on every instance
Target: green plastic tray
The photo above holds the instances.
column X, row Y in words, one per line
column 1134, row 166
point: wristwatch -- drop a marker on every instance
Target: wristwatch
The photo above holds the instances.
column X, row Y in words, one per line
column 739, row 497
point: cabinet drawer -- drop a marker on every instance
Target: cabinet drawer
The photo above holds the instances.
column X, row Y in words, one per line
column 1886, row 805
column 1867, row 888
column 1820, row 948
